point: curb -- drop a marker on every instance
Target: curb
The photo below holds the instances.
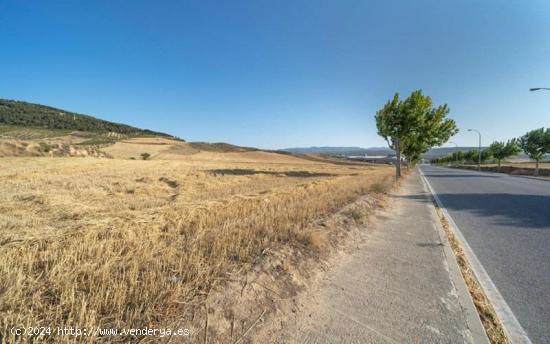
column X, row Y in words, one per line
column 514, row 331
column 477, row 331
column 545, row 179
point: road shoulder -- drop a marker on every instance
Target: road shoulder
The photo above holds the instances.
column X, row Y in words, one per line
column 470, row 312
column 513, row 329
column 401, row 285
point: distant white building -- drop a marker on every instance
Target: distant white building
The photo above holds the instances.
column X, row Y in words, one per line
column 381, row 159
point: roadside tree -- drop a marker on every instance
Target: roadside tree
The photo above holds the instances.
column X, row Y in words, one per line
column 501, row 150
column 535, row 144
column 413, row 126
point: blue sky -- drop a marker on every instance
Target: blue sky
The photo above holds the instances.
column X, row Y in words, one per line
column 277, row 74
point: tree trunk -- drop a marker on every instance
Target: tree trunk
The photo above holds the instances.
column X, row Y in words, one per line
column 499, row 165
column 537, row 168
column 398, row 163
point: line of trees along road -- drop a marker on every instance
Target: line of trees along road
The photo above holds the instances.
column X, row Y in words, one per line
column 414, row 125
column 535, row 143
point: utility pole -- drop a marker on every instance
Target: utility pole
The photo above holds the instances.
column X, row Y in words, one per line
column 478, row 149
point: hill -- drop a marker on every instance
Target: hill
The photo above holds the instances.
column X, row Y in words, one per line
column 34, row 130
column 23, row 114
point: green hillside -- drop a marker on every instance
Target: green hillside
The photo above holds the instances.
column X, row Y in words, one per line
column 23, row 114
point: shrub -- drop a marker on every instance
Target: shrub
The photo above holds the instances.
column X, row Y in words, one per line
column 379, row 187
column 45, row 147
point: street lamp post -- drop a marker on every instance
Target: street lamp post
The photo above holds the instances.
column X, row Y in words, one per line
column 478, row 150
column 539, row 88
column 456, row 157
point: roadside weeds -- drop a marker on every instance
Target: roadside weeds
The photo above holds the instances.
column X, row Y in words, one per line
column 257, row 306
column 489, row 319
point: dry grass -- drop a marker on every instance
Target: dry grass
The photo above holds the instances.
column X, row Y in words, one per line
column 26, row 133
column 11, row 148
column 489, row 319
column 524, row 164
column 518, row 164
column 123, row 243
column 167, row 149
column 134, row 147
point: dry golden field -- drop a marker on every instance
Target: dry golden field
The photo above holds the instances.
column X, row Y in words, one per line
column 130, row 243
column 523, row 164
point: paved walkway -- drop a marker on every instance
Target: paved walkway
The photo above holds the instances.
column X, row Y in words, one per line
column 401, row 286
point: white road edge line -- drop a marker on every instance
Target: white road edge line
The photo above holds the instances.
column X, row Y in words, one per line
column 511, row 325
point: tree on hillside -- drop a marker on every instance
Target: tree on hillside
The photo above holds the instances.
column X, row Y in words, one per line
column 501, row 150
column 413, row 126
column 535, row 144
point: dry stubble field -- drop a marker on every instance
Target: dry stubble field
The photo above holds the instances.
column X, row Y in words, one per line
column 124, row 243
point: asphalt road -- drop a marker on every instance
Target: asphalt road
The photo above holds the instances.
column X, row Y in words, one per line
column 506, row 221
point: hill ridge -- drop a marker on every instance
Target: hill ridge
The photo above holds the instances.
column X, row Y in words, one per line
column 22, row 113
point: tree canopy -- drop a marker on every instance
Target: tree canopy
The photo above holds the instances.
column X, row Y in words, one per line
column 414, row 125
column 460, row 157
column 535, row 144
column 503, row 150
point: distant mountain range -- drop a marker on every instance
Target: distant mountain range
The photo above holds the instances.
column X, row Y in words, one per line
column 372, row 151
column 334, row 150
